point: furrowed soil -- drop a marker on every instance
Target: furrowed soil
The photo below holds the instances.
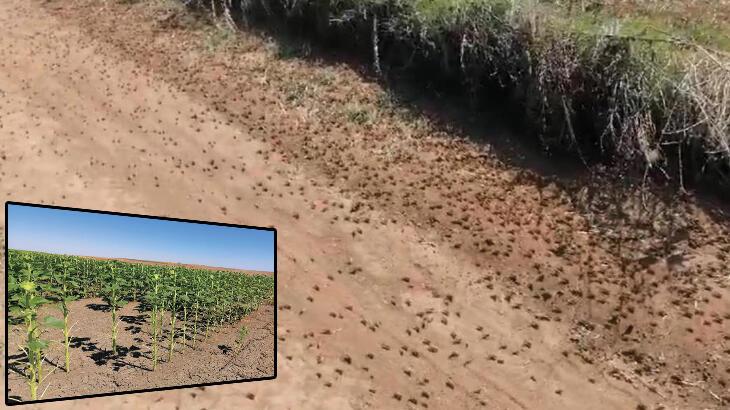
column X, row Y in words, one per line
column 95, row 369
column 417, row 268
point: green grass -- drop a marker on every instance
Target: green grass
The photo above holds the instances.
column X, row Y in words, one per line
column 653, row 27
column 641, row 22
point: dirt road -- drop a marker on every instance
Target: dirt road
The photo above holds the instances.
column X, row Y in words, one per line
column 414, row 272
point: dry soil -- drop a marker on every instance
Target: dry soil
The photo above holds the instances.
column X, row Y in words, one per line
column 95, row 369
column 417, row 268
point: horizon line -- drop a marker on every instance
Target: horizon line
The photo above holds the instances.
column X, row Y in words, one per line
column 142, row 260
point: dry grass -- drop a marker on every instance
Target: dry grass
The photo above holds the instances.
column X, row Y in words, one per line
column 626, row 81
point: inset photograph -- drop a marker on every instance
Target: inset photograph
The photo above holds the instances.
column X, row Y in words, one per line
column 101, row 303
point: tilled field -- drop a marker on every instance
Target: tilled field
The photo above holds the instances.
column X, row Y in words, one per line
column 96, row 370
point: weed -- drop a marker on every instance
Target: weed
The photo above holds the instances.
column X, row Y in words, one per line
column 359, row 114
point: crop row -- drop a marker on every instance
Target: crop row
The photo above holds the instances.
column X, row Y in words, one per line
column 199, row 299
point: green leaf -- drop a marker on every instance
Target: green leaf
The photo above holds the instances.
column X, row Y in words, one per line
column 27, row 286
column 38, row 344
column 16, row 310
column 37, row 301
column 53, row 322
column 13, row 285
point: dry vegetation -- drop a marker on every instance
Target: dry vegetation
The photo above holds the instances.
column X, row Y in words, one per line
column 633, row 82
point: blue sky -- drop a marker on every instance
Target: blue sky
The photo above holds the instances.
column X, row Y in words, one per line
column 112, row 236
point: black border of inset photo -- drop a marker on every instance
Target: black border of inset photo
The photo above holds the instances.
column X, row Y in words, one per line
column 8, row 402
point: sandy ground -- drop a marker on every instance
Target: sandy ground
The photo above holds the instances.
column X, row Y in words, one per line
column 416, row 270
column 95, row 369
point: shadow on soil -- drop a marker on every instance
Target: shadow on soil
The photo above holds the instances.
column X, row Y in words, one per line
column 99, row 307
column 102, row 357
column 489, row 123
column 134, row 322
column 17, row 363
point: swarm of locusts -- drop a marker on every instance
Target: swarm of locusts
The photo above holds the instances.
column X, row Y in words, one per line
column 186, row 303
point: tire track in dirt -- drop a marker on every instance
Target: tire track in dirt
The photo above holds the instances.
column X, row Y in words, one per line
column 389, row 316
